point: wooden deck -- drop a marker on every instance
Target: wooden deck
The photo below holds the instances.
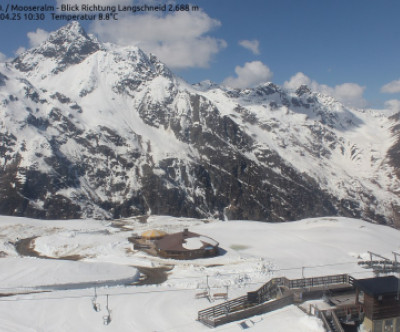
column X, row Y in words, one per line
column 344, row 299
column 275, row 294
column 141, row 244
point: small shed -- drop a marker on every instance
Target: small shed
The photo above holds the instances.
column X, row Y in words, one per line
column 186, row 245
column 380, row 298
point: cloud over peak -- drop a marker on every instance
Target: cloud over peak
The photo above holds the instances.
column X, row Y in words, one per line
column 3, row 57
column 37, row 37
column 350, row 94
column 180, row 40
column 251, row 74
column 393, row 105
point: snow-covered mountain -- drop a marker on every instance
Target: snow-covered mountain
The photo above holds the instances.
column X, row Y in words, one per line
column 96, row 130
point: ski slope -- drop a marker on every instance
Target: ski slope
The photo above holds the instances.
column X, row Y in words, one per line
column 57, row 295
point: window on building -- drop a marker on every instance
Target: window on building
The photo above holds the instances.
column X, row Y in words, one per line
column 388, row 326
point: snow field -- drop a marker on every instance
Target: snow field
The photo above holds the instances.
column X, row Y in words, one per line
column 251, row 254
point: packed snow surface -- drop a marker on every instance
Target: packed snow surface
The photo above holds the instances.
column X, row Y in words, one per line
column 31, row 272
column 251, row 254
column 194, row 243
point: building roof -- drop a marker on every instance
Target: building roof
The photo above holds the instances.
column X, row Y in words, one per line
column 153, row 234
column 185, row 241
column 378, row 286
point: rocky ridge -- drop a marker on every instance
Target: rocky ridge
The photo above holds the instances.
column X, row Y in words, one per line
column 95, row 130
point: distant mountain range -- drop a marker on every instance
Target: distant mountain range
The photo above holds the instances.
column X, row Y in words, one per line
column 97, row 130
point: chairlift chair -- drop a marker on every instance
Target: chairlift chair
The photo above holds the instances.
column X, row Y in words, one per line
column 96, row 306
column 106, row 319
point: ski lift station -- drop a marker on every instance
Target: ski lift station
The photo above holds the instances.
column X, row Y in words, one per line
column 380, row 297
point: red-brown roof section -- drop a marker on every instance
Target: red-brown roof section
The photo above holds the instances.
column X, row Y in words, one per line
column 175, row 241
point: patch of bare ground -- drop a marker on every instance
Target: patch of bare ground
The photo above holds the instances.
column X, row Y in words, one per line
column 121, row 225
column 153, row 275
column 214, row 265
column 239, row 247
column 142, row 219
column 19, row 293
column 125, row 225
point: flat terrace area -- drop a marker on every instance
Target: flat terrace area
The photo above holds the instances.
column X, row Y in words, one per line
column 347, row 298
column 143, row 245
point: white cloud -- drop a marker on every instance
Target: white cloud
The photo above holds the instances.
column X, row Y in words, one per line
column 3, row 57
column 37, row 37
column 251, row 74
column 350, row 94
column 180, row 40
column 297, row 80
column 393, row 105
column 392, row 87
column 20, row 50
column 252, row 45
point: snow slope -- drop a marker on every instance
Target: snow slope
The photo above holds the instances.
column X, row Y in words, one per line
column 88, row 130
column 252, row 253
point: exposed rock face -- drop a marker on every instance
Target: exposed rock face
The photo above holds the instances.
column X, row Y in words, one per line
column 89, row 130
column 68, row 45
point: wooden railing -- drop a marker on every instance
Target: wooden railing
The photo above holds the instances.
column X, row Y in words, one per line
column 332, row 318
column 223, row 309
column 266, row 292
column 319, row 281
column 255, row 310
column 351, row 312
column 325, row 321
column 264, row 299
column 336, row 323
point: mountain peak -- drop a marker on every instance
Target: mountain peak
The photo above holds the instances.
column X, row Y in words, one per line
column 102, row 130
column 205, row 85
column 71, row 32
column 68, row 45
column 303, row 89
column 74, row 26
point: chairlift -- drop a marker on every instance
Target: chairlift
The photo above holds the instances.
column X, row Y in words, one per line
column 95, row 305
column 107, row 318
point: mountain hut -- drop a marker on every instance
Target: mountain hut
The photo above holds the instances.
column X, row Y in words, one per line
column 153, row 235
column 186, row 245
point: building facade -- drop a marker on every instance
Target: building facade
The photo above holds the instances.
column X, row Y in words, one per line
column 381, row 302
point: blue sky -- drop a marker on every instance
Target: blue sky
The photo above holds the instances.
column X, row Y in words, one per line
column 349, row 49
